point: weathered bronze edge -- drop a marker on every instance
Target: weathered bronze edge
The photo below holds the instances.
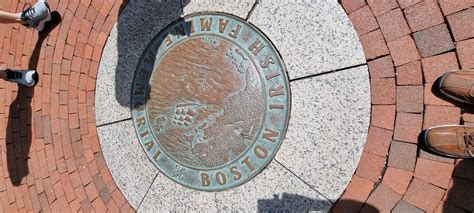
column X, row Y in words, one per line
column 287, row 82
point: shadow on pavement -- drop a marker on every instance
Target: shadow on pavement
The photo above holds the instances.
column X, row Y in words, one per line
column 460, row 195
column 139, row 22
column 19, row 136
column 298, row 203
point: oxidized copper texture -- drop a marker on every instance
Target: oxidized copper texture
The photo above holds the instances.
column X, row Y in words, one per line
column 210, row 101
column 206, row 102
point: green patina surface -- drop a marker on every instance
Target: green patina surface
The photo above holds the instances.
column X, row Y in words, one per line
column 210, row 101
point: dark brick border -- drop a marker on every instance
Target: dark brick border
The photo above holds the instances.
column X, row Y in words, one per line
column 408, row 45
column 51, row 156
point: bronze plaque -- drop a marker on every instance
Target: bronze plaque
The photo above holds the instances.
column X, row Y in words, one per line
column 210, row 101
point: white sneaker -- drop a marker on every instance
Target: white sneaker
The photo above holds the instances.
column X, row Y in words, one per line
column 23, row 77
column 36, row 16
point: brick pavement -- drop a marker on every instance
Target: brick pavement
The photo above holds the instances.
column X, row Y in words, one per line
column 50, row 154
column 408, row 45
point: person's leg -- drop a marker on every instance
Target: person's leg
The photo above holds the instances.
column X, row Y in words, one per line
column 27, row 78
column 33, row 17
column 6, row 17
column 36, row 16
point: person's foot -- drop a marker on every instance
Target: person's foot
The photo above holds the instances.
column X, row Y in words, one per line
column 458, row 85
column 451, row 140
column 23, row 77
column 36, row 16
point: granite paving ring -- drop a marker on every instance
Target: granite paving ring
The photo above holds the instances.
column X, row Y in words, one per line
column 210, row 101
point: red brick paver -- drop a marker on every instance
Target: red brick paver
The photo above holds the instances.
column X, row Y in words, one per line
column 465, row 50
column 462, row 25
column 397, row 179
column 383, row 91
column 423, row 195
column 363, row 20
column 403, row 50
column 433, row 40
column 378, row 141
column 393, row 24
column 382, row 68
column 51, row 158
column 410, row 99
column 383, row 199
column 370, row 166
column 383, row 116
column 410, row 74
column 424, row 14
column 423, row 39
column 435, row 66
column 374, row 44
column 402, row 155
column 436, row 173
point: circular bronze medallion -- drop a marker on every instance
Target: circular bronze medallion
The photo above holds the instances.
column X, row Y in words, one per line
column 210, row 101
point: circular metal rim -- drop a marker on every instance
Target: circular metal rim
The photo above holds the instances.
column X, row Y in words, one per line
column 288, row 97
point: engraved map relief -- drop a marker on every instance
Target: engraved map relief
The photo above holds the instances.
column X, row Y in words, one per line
column 206, row 102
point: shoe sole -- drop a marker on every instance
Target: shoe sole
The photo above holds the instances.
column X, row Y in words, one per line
column 43, row 22
column 35, row 78
column 35, row 81
column 425, row 140
column 448, row 95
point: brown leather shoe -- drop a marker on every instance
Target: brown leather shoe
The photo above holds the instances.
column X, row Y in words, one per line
column 458, row 85
column 453, row 140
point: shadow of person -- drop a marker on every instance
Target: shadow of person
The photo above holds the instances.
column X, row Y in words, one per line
column 18, row 132
column 139, row 22
column 460, row 195
column 298, row 203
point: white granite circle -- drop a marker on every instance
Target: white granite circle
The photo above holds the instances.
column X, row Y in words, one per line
column 330, row 109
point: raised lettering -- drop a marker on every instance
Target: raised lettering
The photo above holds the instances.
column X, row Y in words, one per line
column 168, row 41
column 260, row 151
column 145, row 133
column 205, row 24
column 277, row 106
column 267, row 61
column 271, row 75
column 140, row 121
column 149, row 58
column 139, row 106
column 221, row 179
column 191, row 26
column 247, row 163
column 205, row 179
column 144, row 73
column 236, row 173
column 222, row 24
column 276, row 91
column 234, row 33
column 157, row 154
column 256, row 47
column 180, row 30
column 139, row 89
column 149, row 145
column 270, row 135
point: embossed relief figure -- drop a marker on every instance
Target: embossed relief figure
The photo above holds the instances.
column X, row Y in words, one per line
column 206, row 102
